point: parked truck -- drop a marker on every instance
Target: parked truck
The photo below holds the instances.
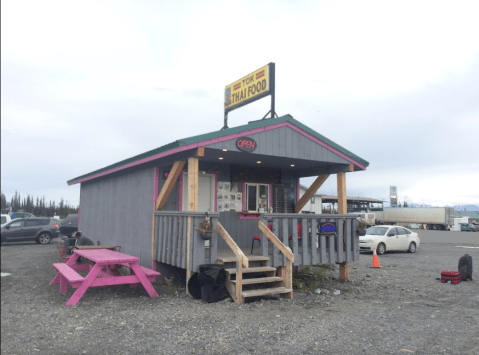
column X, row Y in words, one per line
column 438, row 218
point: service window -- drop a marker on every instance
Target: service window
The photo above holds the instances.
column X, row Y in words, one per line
column 257, row 197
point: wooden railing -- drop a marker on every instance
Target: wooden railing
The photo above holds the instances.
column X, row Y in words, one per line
column 309, row 245
column 175, row 231
column 241, row 260
column 286, row 273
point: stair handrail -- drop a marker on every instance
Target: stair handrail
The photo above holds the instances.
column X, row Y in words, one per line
column 287, row 252
column 240, row 256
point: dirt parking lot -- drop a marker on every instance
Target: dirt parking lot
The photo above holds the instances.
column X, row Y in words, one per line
column 399, row 309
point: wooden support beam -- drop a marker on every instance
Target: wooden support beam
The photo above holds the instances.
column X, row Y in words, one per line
column 169, row 184
column 239, row 281
column 342, row 200
column 200, row 152
column 343, row 209
column 192, row 184
column 344, row 272
column 310, row 192
column 286, row 273
column 351, row 167
column 192, row 206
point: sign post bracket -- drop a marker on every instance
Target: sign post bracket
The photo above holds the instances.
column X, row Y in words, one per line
column 226, row 122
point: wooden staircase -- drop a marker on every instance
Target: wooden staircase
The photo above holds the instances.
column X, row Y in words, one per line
column 258, row 279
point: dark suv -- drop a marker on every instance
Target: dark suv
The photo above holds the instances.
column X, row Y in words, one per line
column 468, row 227
column 40, row 230
column 69, row 225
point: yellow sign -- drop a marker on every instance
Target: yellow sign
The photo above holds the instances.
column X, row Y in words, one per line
column 249, row 88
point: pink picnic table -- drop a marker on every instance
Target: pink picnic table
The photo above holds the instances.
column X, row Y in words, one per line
column 103, row 273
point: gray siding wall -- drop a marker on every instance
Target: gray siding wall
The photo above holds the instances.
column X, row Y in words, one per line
column 285, row 142
column 118, row 211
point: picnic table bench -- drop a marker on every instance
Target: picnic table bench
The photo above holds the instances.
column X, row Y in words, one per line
column 103, row 273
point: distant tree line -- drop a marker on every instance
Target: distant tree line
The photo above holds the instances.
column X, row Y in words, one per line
column 39, row 206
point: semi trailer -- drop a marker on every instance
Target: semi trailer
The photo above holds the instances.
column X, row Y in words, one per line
column 438, row 218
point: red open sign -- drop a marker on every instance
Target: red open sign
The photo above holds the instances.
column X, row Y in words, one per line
column 246, row 144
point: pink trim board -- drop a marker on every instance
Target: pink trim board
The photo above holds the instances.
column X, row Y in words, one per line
column 217, row 140
column 298, row 191
column 156, row 183
column 79, row 209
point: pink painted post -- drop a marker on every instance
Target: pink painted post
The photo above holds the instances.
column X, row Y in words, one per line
column 244, row 198
column 216, row 191
column 79, row 208
column 298, row 190
column 156, row 183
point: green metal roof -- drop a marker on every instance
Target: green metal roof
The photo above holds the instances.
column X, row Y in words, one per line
column 470, row 214
column 222, row 133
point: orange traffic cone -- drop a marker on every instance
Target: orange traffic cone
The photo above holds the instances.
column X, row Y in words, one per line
column 375, row 259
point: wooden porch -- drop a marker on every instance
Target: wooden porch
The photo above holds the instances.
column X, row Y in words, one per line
column 285, row 239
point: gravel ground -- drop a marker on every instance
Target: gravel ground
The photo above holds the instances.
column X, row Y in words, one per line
column 400, row 308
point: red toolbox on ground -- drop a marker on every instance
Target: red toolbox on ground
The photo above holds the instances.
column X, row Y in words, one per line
column 453, row 276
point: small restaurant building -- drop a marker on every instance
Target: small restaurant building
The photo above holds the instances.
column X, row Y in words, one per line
column 228, row 197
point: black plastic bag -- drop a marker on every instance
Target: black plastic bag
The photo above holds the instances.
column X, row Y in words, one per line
column 212, row 274
column 212, row 278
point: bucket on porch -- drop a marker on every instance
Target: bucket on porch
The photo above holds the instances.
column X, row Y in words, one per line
column 212, row 278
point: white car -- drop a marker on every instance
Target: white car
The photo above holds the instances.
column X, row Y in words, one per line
column 5, row 219
column 387, row 238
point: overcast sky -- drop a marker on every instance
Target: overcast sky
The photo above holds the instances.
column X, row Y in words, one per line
column 87, row 84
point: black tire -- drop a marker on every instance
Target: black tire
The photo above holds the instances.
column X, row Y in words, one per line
column 44, row 238
column 381, row 249
column 412, row 248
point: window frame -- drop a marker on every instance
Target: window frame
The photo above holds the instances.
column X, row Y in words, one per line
column 258, row 198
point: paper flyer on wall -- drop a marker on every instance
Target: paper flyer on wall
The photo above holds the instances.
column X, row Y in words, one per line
column 238, row 201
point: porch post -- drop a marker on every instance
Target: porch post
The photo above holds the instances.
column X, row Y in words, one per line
column 192, row 206
column 342, row 209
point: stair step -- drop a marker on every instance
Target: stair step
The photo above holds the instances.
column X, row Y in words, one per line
column 252, row 269
column 266, row 291
column 260, row 280
column 232, row 259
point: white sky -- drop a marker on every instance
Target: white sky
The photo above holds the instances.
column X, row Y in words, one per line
column 87, row 84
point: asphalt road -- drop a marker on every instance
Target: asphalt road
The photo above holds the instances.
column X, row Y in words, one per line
column 449, row 237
